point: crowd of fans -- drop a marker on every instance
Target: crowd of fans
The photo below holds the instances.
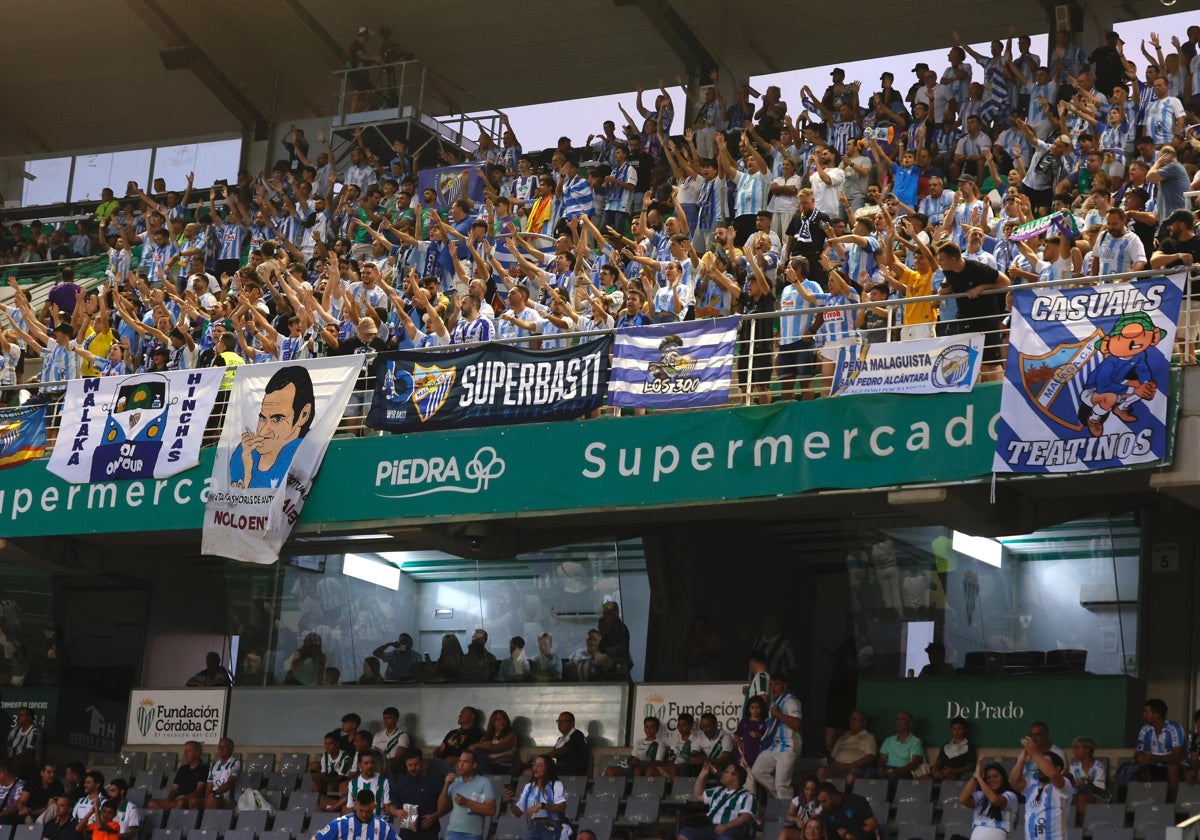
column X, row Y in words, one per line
column 858, row 194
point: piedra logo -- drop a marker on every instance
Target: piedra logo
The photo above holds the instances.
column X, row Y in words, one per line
column 656, row 706
column 145, row 716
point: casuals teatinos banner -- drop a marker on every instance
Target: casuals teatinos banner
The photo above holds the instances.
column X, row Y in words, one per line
column 1087, row 379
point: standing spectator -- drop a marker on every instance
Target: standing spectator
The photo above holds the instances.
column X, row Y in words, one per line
column 1047, row 792
column 994, row 804
column 614, row 637
column 777, row 648
column 24, row 744
column 780, row 742
column 415, row 799
column 361, row 824
column 468, row 798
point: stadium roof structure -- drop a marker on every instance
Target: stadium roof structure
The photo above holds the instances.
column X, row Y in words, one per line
column 91, row 75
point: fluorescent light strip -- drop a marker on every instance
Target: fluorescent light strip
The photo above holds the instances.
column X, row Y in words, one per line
column 983, row 549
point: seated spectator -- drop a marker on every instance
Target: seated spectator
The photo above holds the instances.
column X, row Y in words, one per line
column 371, row 674
column 127, row 815
column 845, row 815
column 936, row 651
column 1159, row 749
column 214, row 674
column 546, row 666
column 495, row 751
column 993, row 803
column 711, row 743
column 223, row 776
column 349, row 728
column 614, row 638
column 40, row 793
column 803, row 808
column 571, row 753
column 901, row 753
column 730, row 807
column 543, row 802
column 401, row 659
column 649, row 755
column 853, row 753
column 187, row 789
column 452, row 660
column 516, row 667
column 57, row 822
column 392, row 741
column 479, row 664
column 332, row 768
column 307, row 665
column 1088, row 774
column 589, row 663
column 11, row 789
column 415, row 799
column 90, row 790
column 956, row 758
column 366, row 779
column 464, row 737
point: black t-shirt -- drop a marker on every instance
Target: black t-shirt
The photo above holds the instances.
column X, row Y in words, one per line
column 457, row 740
column 354, row 344
column 577, row 760
column 1191, row 246
column 39, row 796
column 808, row 232
column 975, row 274
column 422, row 791
column 189, row 779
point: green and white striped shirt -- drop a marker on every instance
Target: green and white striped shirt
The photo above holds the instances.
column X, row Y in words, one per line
column 724, row 805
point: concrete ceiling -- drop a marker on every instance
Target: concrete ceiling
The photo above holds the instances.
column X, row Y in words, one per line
column 82, row 74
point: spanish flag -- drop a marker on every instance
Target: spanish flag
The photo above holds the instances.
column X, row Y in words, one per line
column 22, row 435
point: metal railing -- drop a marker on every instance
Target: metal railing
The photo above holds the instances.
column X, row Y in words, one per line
column 755, row 356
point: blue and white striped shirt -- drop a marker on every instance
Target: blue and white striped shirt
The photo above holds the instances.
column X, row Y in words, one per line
column 751, row 193
column 350, row 827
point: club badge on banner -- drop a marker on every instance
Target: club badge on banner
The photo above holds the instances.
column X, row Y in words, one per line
column 280, row 419
column 1087, row 378
column 147, row 425
column 680, row 365
column 922, row 366
column 488, row 385
column 22, row 435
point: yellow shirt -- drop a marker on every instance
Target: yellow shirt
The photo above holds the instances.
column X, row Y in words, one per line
column 918, row 285
column 99, row 347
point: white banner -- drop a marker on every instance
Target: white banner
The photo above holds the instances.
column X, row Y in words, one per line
column 921, row 366
column 280, row 419
column 176, row 716
column 666, row 701
column 147, row 425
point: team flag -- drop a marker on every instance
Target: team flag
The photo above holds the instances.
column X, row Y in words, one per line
column 22, row 434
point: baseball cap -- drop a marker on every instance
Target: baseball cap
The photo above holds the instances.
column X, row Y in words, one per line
column 208, row 300
column 836, row 70
column 967, row 179
column 886, row 74
column 920, row 66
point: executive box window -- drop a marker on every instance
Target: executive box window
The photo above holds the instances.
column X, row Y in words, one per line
column 1061, row 600
column 319, row 618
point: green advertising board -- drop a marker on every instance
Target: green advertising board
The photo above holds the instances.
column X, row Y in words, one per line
column 611, row 463
column 1000, row 709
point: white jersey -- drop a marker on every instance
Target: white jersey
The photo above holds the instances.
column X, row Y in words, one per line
column 983, row 808
column 1046, row 810
column 389, row 744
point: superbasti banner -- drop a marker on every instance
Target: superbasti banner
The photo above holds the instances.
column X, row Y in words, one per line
column 488, row 385
column 1088, row 376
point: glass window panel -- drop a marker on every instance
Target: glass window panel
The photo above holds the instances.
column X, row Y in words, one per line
column 210, row 161
column 112, row 169
column 49, row 185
